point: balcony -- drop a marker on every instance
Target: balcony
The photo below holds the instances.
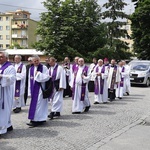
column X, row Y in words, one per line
column 19, row 36
column 19, row 26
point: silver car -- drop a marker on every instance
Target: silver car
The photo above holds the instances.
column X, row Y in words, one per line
column 140, row 72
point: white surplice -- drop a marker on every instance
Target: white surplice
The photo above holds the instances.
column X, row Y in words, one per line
column 41, row 111
column 78, row 105
column 7, row 95
column 101, row 97
column 127, row 84
column 120, row 90
column 109, row 79
column 19, row 102
column 57, row 97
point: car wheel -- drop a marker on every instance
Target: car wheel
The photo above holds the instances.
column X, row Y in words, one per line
column 147, row 83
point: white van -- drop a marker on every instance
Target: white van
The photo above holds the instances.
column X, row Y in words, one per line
column 140, row 72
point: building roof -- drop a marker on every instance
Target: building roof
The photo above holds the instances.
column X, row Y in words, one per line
column 23, row 52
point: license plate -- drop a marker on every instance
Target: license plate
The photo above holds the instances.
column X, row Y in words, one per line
column 132, row 79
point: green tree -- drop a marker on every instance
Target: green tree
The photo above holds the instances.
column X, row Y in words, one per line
column 15, row 45
column 141, row 29
column 70, row 28
column 115, row 19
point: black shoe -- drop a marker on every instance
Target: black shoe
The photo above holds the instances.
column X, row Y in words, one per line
column 10, row 128
column 120, row 97
column 32, row 124
column 127, row 93
column 87, row 108
column 14, row 109
column 57, row 114
column 17, row 110
column 96, row 103
column 51, row 115
column 105, row 102
column 110, row 100
column 78, row 112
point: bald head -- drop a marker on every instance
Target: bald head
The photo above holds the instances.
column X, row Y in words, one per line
column 81, row 61
column 100, row 62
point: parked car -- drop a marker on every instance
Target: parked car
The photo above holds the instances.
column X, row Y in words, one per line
column 140, row 72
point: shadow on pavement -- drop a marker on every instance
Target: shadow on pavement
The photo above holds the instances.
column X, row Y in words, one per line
column 37, row 132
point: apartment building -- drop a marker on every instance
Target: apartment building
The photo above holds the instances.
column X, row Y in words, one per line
column 128, row 38
column 17, row 28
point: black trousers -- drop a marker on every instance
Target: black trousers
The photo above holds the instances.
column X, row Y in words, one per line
column 111, row 94
column 67, row 91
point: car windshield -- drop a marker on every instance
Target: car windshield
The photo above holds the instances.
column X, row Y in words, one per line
column 140, row 66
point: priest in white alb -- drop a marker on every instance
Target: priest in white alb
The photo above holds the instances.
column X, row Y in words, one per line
column 38, row 109
column 113, row 79
column 58, row 76
column 101, row 90
column 7, row 80
column 19, row 84
column 120, row 85
column 127, row 85
column 79, row 85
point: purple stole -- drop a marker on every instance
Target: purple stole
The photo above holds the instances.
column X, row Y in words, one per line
column 18, row 83
column 1, row 72
column 74, row 67
column 101, row 82
column 34, row 87
column 83, row 86
column 122, row 79
column 113, row 80
column 53, row 77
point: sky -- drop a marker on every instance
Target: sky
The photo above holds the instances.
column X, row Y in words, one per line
column 29, row 5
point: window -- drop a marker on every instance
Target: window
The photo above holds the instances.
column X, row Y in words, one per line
column 7, row 37
column 1, row 27
column 14, row 31
column 24, row 16
column 1, row 45
column 24, row 42
column 7, row 45
column 7, row 18
column 7, row 27
column 1, row 18
column 1, row 37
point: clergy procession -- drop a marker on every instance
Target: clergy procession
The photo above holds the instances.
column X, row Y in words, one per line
column 46, row 86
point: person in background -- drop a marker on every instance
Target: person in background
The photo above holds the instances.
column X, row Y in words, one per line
column 57, row 74
column 101, row 89
column 127, row 84
column 113, row 79
column 79, row 85
column 19, row 84
column 91, row 82
column 26, row 80
column 68, row 69
column 75, row 64
column 106, row 63
column 120, row 85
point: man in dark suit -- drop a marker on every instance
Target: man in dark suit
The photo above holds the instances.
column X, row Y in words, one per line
column 26, row 82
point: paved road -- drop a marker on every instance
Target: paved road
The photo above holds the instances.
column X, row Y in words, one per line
column 80, row 131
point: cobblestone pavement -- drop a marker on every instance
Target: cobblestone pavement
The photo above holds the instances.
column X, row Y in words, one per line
column 80, row 131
